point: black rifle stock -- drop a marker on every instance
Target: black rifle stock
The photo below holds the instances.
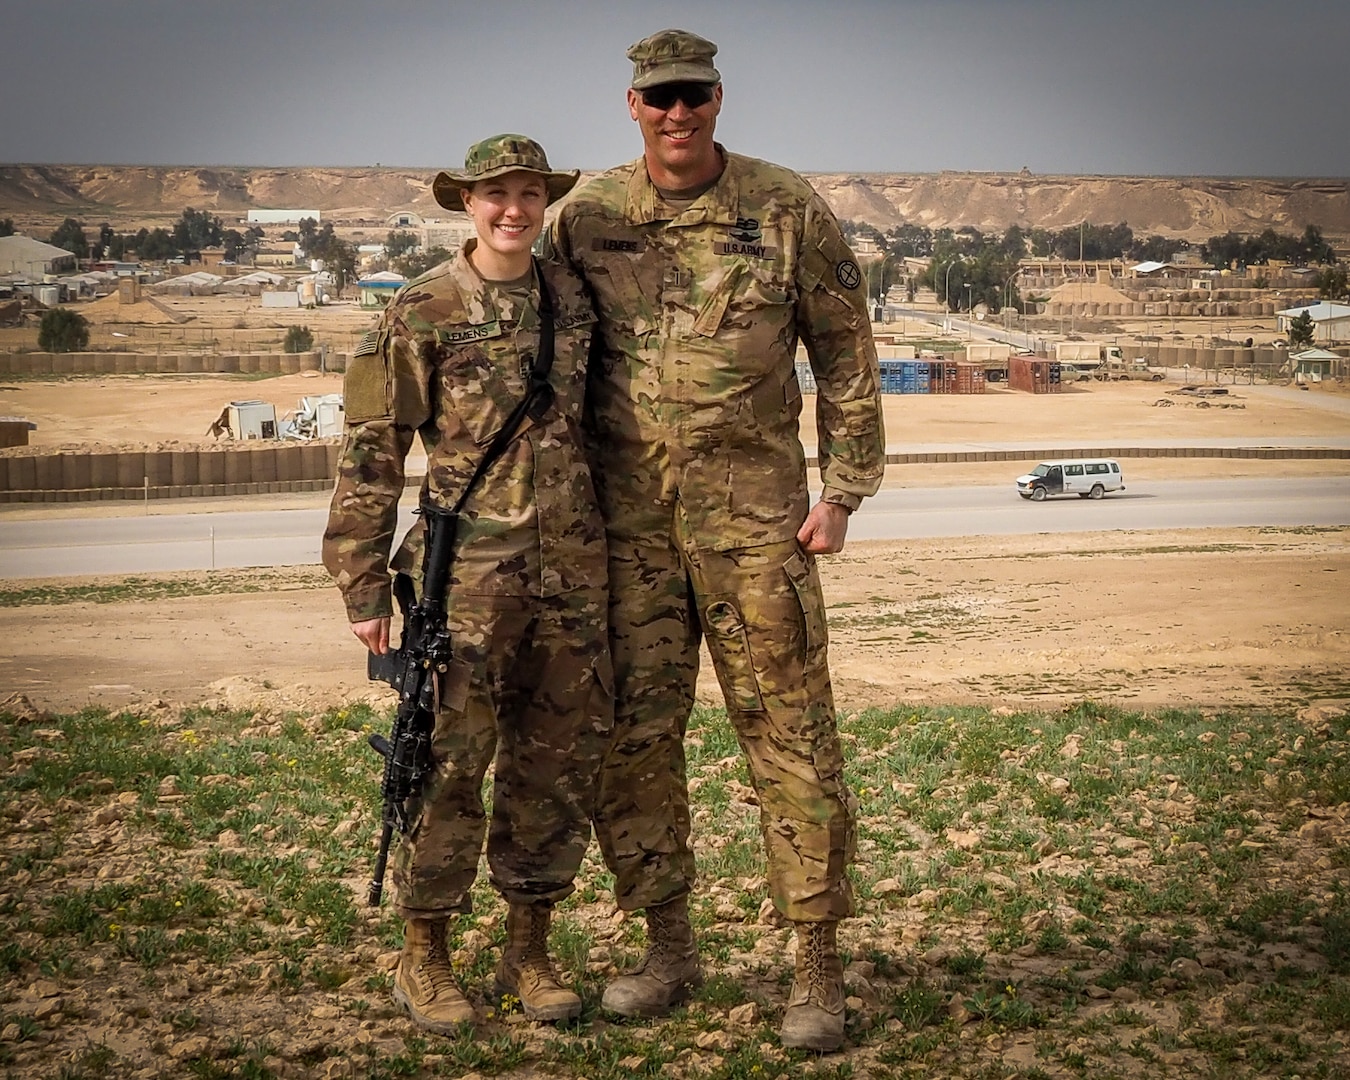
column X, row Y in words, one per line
column 416, row 667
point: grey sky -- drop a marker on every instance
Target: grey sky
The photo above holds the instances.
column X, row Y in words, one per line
column 1173, row 87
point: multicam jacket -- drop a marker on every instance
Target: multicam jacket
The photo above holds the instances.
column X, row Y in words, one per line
column 449, row 361
column 696, row 397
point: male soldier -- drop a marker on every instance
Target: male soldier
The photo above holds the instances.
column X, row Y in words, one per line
column 707, row 268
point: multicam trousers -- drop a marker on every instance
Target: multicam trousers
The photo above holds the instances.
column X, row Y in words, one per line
column 531, row 686
column 763, row 615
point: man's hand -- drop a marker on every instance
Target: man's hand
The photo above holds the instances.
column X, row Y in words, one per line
column 374, row 634
column 823, row 531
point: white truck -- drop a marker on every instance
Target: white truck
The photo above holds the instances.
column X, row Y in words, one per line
column 1085, row 355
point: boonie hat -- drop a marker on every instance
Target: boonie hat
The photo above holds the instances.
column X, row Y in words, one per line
column 497, row 156
column 673, row 56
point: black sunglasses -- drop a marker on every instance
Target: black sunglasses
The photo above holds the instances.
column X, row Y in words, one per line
column 664, row 96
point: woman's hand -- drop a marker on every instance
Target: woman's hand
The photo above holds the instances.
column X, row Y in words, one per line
column 374, row 634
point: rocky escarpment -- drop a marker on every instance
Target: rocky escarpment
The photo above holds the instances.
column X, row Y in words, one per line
column 1190, row 207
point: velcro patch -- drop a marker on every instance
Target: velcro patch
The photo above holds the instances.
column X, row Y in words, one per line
column 461, row 334
column 737, row 247
column 580, row 318
column 615, row 243
column 370, row 344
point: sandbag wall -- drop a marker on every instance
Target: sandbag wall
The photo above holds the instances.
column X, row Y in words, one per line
column 128, row 363
column 169, row 474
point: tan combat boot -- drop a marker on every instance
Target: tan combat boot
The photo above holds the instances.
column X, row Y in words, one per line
column 669, row 970
column 424, row 983
column 525, row 971
column 815, row 1012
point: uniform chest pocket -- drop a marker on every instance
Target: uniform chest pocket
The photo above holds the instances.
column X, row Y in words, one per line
column 743, row 295
column 474, row 388
column 621, row 294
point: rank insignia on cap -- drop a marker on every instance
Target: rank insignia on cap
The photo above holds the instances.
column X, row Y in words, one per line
column 850, row 277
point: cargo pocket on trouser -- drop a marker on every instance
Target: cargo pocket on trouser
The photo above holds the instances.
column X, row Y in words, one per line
column 801, row 571
column 724, row 628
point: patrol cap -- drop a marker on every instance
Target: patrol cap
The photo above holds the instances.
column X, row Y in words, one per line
column 497, row 156
column 673, row 56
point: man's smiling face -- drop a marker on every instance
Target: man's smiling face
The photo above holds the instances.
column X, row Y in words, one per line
column 678, row 139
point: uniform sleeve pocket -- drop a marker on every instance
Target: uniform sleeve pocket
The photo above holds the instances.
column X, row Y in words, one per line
column 367, row 388
column 801, row 571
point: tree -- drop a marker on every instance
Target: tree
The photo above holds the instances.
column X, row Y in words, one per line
column 6, row 226
column 63, row 330
column 1014, row 241
column 909, row 241
column 415, row 264
column 399, row 243
column 1231, row 249
column 70, row 235
column 156, row 245
column 308, row 235
column 298, row 339
column 1333, row 283
column 1302, row 330
column 196, row 229
column 1042, row 242
column 339, row 256
column 1154, row 249
column 1088, row 241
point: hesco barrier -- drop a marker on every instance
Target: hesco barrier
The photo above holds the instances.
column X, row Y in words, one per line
column 169, row 474
column 257, row 470
column 127, row 363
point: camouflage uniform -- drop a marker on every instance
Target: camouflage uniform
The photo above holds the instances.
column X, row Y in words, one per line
column 531, row 680
column 701, row 476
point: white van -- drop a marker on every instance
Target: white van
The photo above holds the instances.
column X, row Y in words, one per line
column 1088, row 478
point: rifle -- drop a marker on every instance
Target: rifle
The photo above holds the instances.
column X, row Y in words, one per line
column 415, row 669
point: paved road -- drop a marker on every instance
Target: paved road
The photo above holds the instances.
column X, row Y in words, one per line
column 71, row 546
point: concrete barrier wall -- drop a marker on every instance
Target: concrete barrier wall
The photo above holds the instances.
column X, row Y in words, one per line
column 93, row 363
column 168, row 474
column 1055, row 453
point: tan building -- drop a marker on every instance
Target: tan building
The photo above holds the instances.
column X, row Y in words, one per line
column 24, row 255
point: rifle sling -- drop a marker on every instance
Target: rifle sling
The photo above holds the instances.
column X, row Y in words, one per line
column 536, row 402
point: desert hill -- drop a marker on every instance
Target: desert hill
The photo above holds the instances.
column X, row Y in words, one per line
column 1190, row 207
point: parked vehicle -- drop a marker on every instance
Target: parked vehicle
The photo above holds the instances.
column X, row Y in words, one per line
column 1086, row 356
column 992, row 356
column 1123, row 370
column 1088, row 478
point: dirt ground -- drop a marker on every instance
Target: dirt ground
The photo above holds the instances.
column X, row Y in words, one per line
column 154, row 409
column 1205, row 617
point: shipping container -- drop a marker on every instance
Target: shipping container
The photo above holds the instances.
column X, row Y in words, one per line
column 1034, row 374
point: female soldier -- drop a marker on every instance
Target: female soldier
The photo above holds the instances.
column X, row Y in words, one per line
column 530, row 679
